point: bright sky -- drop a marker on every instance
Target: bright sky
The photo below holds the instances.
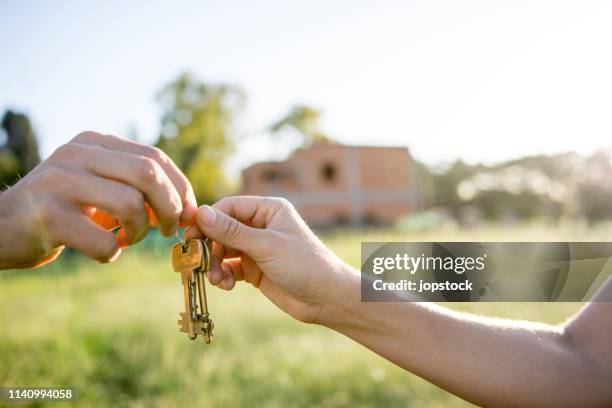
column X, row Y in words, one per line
column 479, row 80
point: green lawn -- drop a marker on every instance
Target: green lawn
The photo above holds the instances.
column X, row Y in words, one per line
column 110, row 332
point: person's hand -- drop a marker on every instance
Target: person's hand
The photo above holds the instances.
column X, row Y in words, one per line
column 86, row 187
column 265, row 242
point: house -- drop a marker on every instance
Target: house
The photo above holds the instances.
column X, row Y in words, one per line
column 333, row 184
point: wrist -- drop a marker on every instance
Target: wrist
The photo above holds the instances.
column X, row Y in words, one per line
column 345, row 312
column 341, row 306
column 18, row 242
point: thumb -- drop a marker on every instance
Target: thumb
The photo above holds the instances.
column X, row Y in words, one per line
column 227, row 230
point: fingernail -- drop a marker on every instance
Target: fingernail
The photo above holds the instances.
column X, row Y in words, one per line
column 207, row 215
column 115, row 256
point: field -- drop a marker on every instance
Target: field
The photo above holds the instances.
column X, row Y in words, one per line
column 110, row 333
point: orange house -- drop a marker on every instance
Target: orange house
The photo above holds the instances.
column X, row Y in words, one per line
column 332, row 184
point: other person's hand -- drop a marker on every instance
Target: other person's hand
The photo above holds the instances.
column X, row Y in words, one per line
column 265, row 242
column 86, row 187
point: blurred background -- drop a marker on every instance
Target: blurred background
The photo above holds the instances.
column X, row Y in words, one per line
column 407, row 120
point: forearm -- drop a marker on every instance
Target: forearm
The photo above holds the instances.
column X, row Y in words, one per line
column 487, row 361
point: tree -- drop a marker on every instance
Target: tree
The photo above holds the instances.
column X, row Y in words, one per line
column 305, row 120
column 19, row 154
column 197, row 128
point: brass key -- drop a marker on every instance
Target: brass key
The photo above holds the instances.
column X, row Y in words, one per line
column 192, row 260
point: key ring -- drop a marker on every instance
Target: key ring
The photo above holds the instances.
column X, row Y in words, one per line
column 178, row 236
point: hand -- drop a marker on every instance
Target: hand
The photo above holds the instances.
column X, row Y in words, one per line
column 86, row 187
column 265, row 242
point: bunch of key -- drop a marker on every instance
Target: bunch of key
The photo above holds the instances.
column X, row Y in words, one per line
column 192, row 260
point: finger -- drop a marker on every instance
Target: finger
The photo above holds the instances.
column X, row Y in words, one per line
column 180, row 181
column 140, row 172
column 218, row 250
column 228, row 231
column 193, row 232
column 234, row 267
column 228, row 281
column 251, row 272
column 221, row 251
column 72, row 228
column 215, row 275
column 217, row 254
column 105, row 220
column 49, row 257
column 122, row 201
column 243, row 268
column 152, row 217
column 251, row 210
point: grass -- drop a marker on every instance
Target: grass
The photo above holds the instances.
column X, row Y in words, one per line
column 110, row 332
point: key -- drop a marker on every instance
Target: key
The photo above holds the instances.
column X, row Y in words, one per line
column 192, row 260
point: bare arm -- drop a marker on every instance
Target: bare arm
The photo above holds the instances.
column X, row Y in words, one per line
column 490, row 362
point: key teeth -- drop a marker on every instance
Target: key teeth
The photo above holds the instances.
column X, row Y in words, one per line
column 208, row 330
column 203, row 326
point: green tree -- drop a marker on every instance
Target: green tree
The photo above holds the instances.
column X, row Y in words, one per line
column 19, row 152
column 305, row 120
column 445, row 182
column 197, row 128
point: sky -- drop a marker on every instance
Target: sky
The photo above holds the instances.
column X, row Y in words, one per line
column 478, row 80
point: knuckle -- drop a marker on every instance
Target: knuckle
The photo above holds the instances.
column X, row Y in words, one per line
column 282, row 203
column 133, row 202
column 157, row 154
column 154, row 153
column 148, row 170
column 67, row 151
column 86, row 136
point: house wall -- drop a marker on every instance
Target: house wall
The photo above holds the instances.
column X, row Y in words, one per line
column 333, row 183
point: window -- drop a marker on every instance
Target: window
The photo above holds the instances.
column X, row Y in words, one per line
column 271, row 176
column 328, row 172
